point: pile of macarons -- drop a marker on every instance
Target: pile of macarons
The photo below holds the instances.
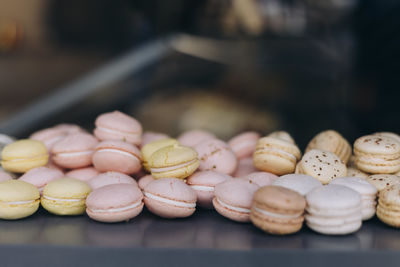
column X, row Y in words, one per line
column 114, row 172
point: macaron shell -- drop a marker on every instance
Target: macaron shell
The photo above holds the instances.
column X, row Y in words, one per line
column 41, row 176
column 49, row 136
column 166, row 210
column 300, row 183
column 244, row 144
column 67, row 188
column 145, row 180
column 379, row 146
column 149, row 137
column 180, row 173
column 261, row 178
column 4, row 176
column 148, row 149
column 276, row 226
column 108, row 178
column 231, row 214
column 115, row 216
column 354, row 172
column 282, row 135
column 381, row 181
column 83, row 174
column 63, row 207
column 377, row 165
column 338, row 230
column 193, row 137
column 245, row 167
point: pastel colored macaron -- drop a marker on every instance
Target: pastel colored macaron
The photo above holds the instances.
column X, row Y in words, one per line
column 116, row 155
column 245, row 166
column 354, row 172
column 377, row 154
column 323, row 165
column 23, row 155
column 300, row 183
column 381, row 181
column 244, row 144
column 49, row 136
column 148, row 149
column 276, row 155
column 277, row 210
column 18, row 199
column 389, row 134
column 333, row 210
column 118, row 126
column 233, row 199
column 170, row 198
column 388, row 210
column 108, row 178
column 204, row 182
column 65, row 196
column 193, row 137
column 261, row 178
column 114, row 203
column 74, row 151
column 367, row 191
column 4, row 176
column 149, row 137
column 41, row 176
column 173, row 161
column 283, row 135
column 145, row 180
column 216, row 155
column 83, row 174
column 69, row 128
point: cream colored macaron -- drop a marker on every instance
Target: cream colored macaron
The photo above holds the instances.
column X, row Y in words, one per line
column 23, row 155
column 65, row 196
column 18, row 199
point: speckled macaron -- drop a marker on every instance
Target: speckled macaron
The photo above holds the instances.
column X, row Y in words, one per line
column 216, row 155
column 148, row 149
column 377, row 154
column 173, row 161
column 193, row 137
column 331, row 141
column 276, row 155
column 170, row 198
column 323, row 165
column 277, row 210
column 244, row 144
column 245, row 166
column 300, row 183
column 261, row 178
column 41, row 176
column 108, row 178
column 23, row 155
column 381, row 181
column 204, row 182
column 83, row 174
column 233, row 199
column 388, row 210
column 354, row 172
column 389, row 134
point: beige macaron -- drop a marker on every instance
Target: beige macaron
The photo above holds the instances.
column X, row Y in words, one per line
column 382, row 181
column 388, row 210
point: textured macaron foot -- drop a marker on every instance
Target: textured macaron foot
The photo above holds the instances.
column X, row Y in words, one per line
column 388, row 210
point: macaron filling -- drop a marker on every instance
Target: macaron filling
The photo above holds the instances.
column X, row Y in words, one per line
column 19, row 202
column 170, row 201
column 278, row 215
column 64, row 199
column 27, row 158
column 110, row 210
column 108, row 130
column 238, row 209
column 171, row 168
column 203, row 188
column 277, row 150
column 74, row 154
column 116, row 151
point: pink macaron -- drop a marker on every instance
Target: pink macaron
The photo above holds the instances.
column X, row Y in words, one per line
column 83, row 174
column 5, row 176
column 245, row 166
column 116, row 155
column 69, row 128
column 193, row 137
column 233, row 199
column 244, row 144
column 170, row 198
column 261, row 178
column 41, row 176
column 114, row 203
column 204, row 182
column 149, row 137
column 145, row 180
column 74, row 151
column 49, row 136
column 216, row 155
column 118, row 126
column 107, row 178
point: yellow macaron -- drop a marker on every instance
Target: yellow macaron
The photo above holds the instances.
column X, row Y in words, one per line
column 148, row 149
column 65, row 196
column 23, row 155
column 18, row 199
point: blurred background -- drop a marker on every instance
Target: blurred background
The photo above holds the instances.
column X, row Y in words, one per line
column 224, row 65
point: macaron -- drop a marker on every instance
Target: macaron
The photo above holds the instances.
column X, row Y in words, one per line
column 83, row 174
column 49, row 136
column 116, row 155
column 331, row 141
column 276, row 155
column 388, row 210
column 145, row 180
column 354, row 172
column 148, row 149
column 65, row 196
column 300, row 183
column 18, row 199
column 41, row 176
column 233, row 199
column 367, row 191
column 4, row 176
column 74, row 151
column 333, row 210
column 389, row 134
column 108, row 178
column 69, row 128
column 118, row 126
column 203, row 183
column 192, row 137
column 277, row 210
column 245, row 166
column 244, row 144
column 216, row 155
column 114, row 203
column 149, row 137
column 323, row 165
column 381, row 181
column 283, row 135
column 170, row 198
column 23, row 155
column 173, row 161
column 5, row 140
column 261, row 178
column 377, row 154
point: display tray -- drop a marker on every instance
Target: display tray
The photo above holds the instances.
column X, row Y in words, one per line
column 206, row 238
